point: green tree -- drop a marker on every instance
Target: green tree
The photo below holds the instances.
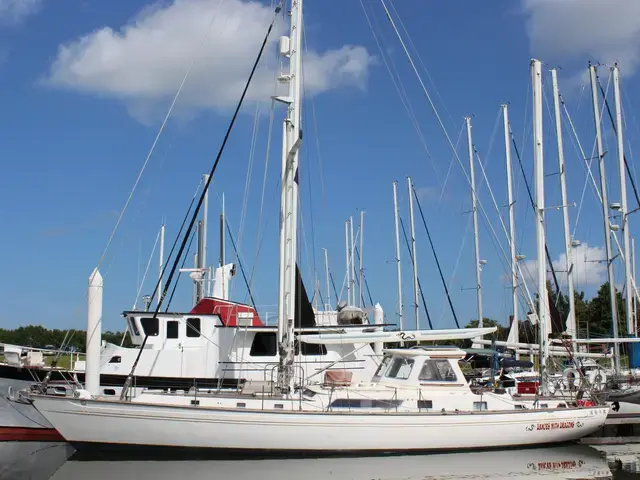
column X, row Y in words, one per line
column 37, row 336
column 599, row 322
column 502, row 332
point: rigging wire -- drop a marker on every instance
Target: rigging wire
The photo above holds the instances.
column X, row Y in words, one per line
column 424, row 302
column 533, row 206
column 399, row 87
column 615, row 131
column 214, row 167
column 184, row 260
column 435, row 256
column 138, row 178
column 146, row 270
column 422, row 64
column 259, row 234
column 364, row 281
column 244, row 276
column 443, row 128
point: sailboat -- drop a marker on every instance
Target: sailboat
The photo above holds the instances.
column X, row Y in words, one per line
column 417, row 400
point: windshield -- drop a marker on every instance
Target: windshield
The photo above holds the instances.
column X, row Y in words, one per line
column 437, row 371
column 400, row 368
column 383, row 365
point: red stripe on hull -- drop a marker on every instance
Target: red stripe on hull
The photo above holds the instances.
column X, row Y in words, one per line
column 21, row 434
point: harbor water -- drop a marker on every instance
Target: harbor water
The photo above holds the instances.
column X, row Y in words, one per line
column 59, row 461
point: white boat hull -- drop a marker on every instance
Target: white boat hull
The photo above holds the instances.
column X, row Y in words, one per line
column 15, row 414
column 110, row 422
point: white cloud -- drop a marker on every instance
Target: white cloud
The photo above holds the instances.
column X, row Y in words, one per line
column 589, row 267
column 143, row 62
column 428, row 193
column 15, row 11
column 603, row 31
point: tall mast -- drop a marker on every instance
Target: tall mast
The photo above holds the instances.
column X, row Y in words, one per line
column 205, row 221
column 160, row 262
column 361, row 253
column 222, row 247
column 538, row 166
column 474, row 212
column 512, row 228
column 568, row 241
column 199, row 275
column 624, row 212
column 347, row 249
column 413, row 254
column 398, row 264
column 635, row 288
column 290, row 48
column 326, row 268
column 352, row 265
column 605, row 211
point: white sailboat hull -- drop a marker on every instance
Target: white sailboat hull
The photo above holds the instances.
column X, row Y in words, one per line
column 109, row 422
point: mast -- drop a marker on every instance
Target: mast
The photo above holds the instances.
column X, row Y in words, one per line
column 474, row 211
column 326, row 268
column 605, row 212
column 290, row 47
column 398, row 264
column 361, row 261
column 413, row 254
column 205, row 220
column 347, row 249
column 635, row 288
column 624, row 212
column 199, row 274
column 160, row 263
column 538, row 166
column 222, row 248
column 568, row 241
column 512, row 229
column 352, row 265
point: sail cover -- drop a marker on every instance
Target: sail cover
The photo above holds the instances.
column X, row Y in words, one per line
column 397, row 336
column 304, row 316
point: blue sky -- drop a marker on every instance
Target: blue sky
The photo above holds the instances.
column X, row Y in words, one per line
column 85, row 86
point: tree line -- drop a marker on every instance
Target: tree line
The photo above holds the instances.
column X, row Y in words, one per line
column 593, row 316
column 37, row 336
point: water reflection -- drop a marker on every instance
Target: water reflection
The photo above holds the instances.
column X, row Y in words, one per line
column 557, row 462
column 32, row 460
column 42, row 460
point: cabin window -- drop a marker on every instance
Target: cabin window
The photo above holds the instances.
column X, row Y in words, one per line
column 383, row 365
column 400, row 368
column 116, row 359
column 425, row 404
column 479, row 406
column 109, row 391
column 150, row 326
column 437, row 371
column 263, row 345
column 365, row 403
column 193, row 327
column 133, row 326
column 172, row 329
column 310, row 348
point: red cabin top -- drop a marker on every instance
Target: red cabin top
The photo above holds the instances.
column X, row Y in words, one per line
column 232, row 314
